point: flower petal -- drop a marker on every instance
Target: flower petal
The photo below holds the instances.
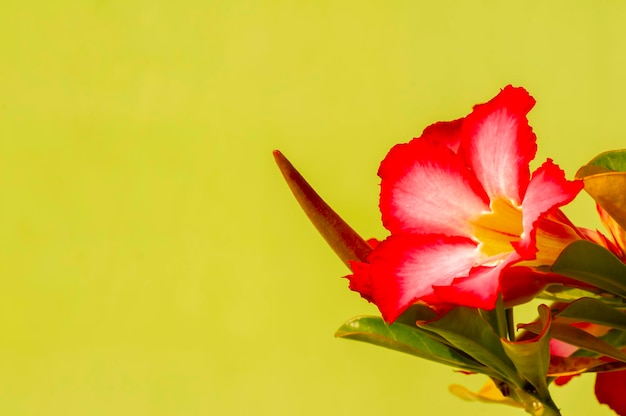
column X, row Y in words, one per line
column 479, row 290
column 548, row 189
column 499, row 144
column 361, row 280
column 405, row 267
column 520, row 283
column 445, row 132
column 610, row 388
column 427, row 189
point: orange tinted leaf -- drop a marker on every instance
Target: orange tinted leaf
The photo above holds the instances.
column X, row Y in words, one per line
column 569, row 366
column 605, row 178
column 608, row 190
column 579, row 338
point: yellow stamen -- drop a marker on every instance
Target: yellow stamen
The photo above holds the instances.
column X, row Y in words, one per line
column 497, row 229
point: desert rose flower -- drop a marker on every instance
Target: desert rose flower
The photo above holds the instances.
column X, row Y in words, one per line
column 462, row 208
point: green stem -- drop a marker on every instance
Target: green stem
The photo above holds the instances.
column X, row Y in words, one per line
column 510, row 323
column 501, row 318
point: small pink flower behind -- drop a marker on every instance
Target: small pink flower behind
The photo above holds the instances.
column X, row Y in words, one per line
column 462, row 208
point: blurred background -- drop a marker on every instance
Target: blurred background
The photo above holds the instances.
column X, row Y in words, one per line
column 152, row 260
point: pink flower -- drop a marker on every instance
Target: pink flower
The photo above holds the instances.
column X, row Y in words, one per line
column 462, row 208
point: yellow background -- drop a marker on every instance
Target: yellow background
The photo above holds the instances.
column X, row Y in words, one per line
column 152, row 261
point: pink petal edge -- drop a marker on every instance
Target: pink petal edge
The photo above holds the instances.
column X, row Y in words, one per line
column 499, row 144
column 448, row 133
column 478, row 290
column 405, row 267
column 426, row 188
column 548, row 189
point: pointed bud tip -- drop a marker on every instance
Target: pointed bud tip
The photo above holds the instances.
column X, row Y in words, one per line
column 285, row 166
column 277, row 154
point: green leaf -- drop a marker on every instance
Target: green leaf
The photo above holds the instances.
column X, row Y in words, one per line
column 596, row 312
column 346, row 243
column 531, row 357
column 496, row 318
column 579, row 338
column 594, row 265
column 560, row 293
column 466, row 330
column 615, row 337
column 410, row 340
column 416, row 312
column 614, row 160
column 585, row 340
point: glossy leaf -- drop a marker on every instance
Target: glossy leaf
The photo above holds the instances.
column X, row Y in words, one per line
column 596, row 312
column 559, row 293
column 590, row 170
column 614, row 160
column 607, row 189
column 346, row 243
column 416, row 312
column 466, row 330
column 410, row 340
column 531, row 357
column 594, row 265
column 579, row 338
column 605, row 180
column 615, row 337
column 496, row 318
